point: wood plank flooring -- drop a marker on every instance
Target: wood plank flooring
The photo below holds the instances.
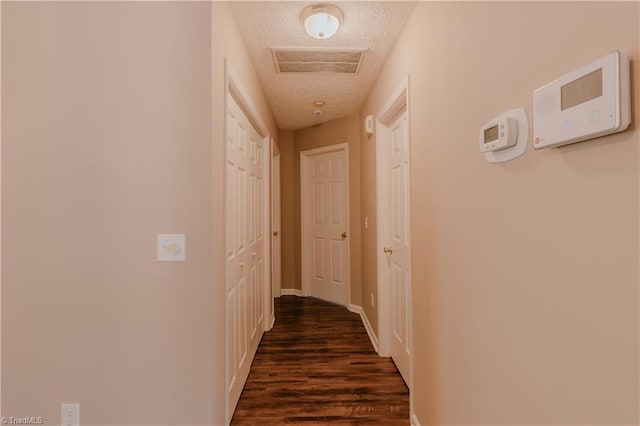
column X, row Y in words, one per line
column 317, row 366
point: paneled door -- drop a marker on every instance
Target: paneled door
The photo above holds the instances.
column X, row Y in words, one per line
column 325, row 233
column 244, row 247
column 400, row 250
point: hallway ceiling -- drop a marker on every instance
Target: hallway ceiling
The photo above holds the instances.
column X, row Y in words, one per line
column 370, row 25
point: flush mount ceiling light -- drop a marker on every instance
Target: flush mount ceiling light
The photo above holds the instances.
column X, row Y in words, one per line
column 321, row 20
column 318, row 103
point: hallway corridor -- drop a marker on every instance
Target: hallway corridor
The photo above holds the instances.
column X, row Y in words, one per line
column 317, row 366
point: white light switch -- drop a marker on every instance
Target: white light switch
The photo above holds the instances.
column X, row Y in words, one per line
column 171, row 248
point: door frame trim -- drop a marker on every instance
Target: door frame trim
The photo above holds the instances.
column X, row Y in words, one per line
column 305, row 156
column 1, row 214
column 276, row 286
column 397, row 103
column 233, row 87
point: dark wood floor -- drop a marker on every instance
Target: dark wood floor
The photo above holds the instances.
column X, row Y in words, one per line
column 317, row 366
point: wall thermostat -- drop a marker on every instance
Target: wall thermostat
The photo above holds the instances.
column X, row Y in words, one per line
column 499, row 133
column 505, row 137
column 589, row 102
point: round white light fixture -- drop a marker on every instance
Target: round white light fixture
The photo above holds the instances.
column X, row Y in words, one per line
column 321, row 20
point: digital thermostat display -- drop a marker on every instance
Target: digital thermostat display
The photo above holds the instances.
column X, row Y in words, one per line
column 491, row 134
column 499, row 133
column 581, row 90
column 504, row 138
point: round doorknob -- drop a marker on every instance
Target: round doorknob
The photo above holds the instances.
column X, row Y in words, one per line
column 388, row 250
column 344, row 235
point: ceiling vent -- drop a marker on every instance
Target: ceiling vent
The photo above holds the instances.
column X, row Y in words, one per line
column 340, row 61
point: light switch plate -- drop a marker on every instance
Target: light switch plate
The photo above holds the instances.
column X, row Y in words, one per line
column 171, row 248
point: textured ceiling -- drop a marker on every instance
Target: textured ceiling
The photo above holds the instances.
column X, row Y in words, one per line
column 276, row 24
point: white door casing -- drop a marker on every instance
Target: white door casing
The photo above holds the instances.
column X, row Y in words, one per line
column 324, row 185
column 1, row 214
column 394, row 232
column 247, row 250
column 276, row 225
column 267, row 242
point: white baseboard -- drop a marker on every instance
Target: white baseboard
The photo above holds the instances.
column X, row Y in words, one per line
column 414, row 420
column 291, row 292
column 367, row 325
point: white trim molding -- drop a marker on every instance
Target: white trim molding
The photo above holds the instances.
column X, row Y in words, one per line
column 291, row 292
column 414, row 420
column 367, row 325
column 271, row 322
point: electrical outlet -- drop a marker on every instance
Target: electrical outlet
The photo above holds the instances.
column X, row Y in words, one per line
column 373, row 302
column 70, row 414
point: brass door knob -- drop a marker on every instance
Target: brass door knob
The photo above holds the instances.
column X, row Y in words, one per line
column 344, row 235
column 388, row 250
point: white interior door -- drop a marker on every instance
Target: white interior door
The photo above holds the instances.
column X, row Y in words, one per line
column 244, row 247
column 325, row 183
column 275, row 226
column 399, row 251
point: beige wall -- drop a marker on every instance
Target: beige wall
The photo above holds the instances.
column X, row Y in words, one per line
column 106, row 141
column 332, row 133
column 525, row 310
column 525, row 290
column 113, row 120
column 368, row 198
column 287, row 201
column 228, row 43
